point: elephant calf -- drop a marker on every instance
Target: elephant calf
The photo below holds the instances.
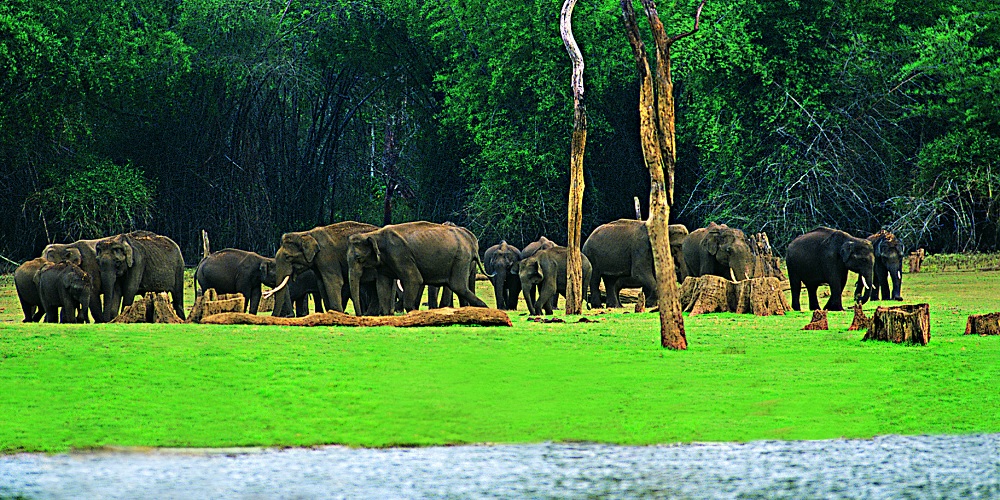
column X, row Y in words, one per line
column 64, row 286
column 497, row 261
column 237, row 271
column 546, row 271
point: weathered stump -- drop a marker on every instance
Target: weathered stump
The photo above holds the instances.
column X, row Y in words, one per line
column 908, row 323
column 860, row 322
column 151, row 308
column 916, row 260
column 266, row 304
column 758, row 296
column 819, row 321
column 640, row 303
column 983, row 324
column 436, row 317
column 212, row 303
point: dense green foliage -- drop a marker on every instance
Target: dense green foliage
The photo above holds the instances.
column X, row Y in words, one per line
column 250, row 118
column 744, row 378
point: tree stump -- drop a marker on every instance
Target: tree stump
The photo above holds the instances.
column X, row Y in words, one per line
column 916, row 259
column 860, row 322
column 758, row 296
column 152, row 308
column 266, row 304
column 819, row 321
column 983, row 324
column 640, row 303
column 909, row 323
column 212, row 303
column 436, row 317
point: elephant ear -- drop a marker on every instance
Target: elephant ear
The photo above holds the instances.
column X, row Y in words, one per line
column 310, row 247
column 74, row 256
column 711, row 241
column 129, row 257
column 515, row 267
column 536, row 270
column 375, row 251
column 846, row 250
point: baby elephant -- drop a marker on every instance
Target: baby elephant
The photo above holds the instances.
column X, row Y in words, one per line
column 64, row 285
column 546, row 271
column 237, row 271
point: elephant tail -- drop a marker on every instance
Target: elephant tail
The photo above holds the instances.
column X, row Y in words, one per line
column 483, row 269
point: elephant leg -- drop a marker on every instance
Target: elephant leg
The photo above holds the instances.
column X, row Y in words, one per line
column 330, row 286
column 412, row 290
column 432, row 297
column 813, row 300
column 467, row 295
column 796, row 287
column 448, row 298
column 595, row 290
column 178, row 300
column 883, row 280
column 51, row 314
column 546, row 291
column 512, row 293
column 318, row 300
column 29, row 310
column 96, row 307
column 68, row 312
column 386, row 291
column 836, row 291
column 253, row 300
column 611, row 289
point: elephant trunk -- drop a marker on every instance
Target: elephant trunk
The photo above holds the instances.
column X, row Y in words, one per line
column 282, row 272
column 526, row 288
column 85, row 298
column 866, row 285
column 354, row 273
column 896, row 276
column 499, row 280
column 111, row 289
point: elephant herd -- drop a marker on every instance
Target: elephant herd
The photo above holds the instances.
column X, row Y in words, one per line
column 385, row 269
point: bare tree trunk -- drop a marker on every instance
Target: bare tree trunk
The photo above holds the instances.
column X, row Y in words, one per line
column 574, row 264
column 657, row 136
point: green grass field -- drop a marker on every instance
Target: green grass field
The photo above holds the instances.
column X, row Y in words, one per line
column 744, row 378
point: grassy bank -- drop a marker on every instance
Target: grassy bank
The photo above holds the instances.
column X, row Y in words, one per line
column 744, row 378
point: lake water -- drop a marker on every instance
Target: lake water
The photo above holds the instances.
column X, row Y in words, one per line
column 884, row 467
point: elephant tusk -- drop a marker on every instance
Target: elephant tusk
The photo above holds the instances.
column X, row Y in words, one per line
column 274, row 290
column 399, row 285
column 899, row 275
column 864, row 282
column 732, row 275
column 746, row 275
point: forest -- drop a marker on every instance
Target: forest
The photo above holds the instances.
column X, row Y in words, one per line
column 252, row 118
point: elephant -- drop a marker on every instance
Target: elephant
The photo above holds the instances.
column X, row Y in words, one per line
column 64, row 286
column 498, row 260
column 237, row 271
column 84, row 254
column 322, row 250
column 27, row 290
column 305, row 284
column 824, row 255
column 623, row 257
column 889, row 252
column 718, row 250
column 530, row 249
column 136, row 263
column 417, row 254
column 546, row 270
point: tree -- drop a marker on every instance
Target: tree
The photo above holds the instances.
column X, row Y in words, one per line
column 574, row 263
column 658, row 138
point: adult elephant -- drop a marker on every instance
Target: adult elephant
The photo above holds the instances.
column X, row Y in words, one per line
column 322, row 250
column 889, row 252
column 84, row 254
column 718, row 250
column 417, row 254
column 27, row 289
column 546, row 271
column 622, row 256
column 66, row 287
column 232, row 270
column 823, row 256
column 498, row 261
column 136, row 263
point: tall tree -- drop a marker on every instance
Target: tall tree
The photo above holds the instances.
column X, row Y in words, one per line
column 574, row 264
column 658, row 139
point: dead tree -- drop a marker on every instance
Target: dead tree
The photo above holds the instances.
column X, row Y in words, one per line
column 908, row 323
column 574, row 264
column 659, row 149
column 983, row 324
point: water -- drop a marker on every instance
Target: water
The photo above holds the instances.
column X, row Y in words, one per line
column 884, row 467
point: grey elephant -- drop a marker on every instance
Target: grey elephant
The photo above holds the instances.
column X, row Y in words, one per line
column 498, row 261
column 137, row 263
column 823, row 256
column 84, row 254
column 622, row 256
column 718, row 250
column 530, row 249
column 546, row 271
column 323, row 250
column 233, row 270
column 889, row 252
column 65, row 291
column 304, row 285
column 27, row 289
column 417, row 254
